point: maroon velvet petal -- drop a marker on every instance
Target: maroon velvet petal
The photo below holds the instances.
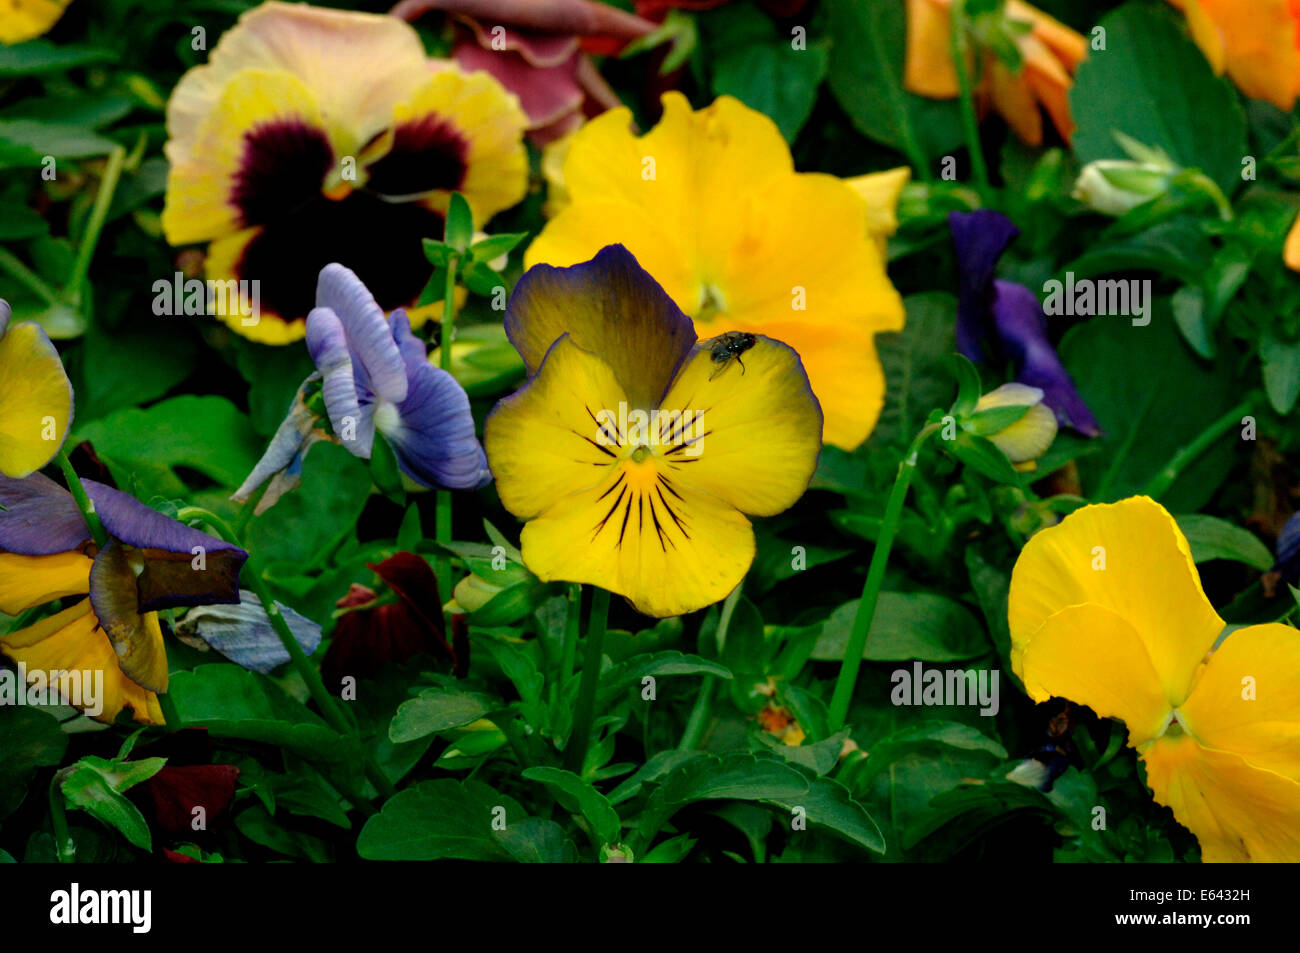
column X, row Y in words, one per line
column 546, row 95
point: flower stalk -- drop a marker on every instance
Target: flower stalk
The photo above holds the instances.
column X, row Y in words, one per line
column 580, row 739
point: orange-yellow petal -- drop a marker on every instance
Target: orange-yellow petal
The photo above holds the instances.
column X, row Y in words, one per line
column 35, row 400
column 1238, row 812
column 29, row 581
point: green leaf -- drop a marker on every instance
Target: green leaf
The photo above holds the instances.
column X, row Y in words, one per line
column 583, row 797
column 439, row 254
column 751, row 61
column 42, row 56
column 18, row 222
column 231, row 702
column 385, row 471
column 917, row 366
column 435, row 710
column 1281, row 360
column 982, row 455
column 1139, row 383
column 29, row 739
column 743, row 777
column 865, row 72
column 88, row 109
column 142, row 447
column 828, row 804
column 620, row 677
column 460, row 223
column 1213, row 538
column 111, row 377
column 907, row 625
column 445, row 819
column 1153, row 84
column 96, row 785
column 494, row 246
column 672, row 851
column 969, row 387
column 985, row 423
column 39, row 138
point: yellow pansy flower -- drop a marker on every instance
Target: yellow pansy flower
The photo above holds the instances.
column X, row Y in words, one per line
column 709, row 203
column 314, row 136
column 634, row 451
column 26, row 19
column 1107, row 609
column 35, row 397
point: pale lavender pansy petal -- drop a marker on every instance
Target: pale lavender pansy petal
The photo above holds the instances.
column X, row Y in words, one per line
column 349, row 416
column 5, row 314
column 243, row 634
column 39, row 518
column 369, row 338
column 285, row 453
column 434, row 440
column 411, row 347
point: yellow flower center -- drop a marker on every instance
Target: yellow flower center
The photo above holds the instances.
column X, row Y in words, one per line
column 712, row 303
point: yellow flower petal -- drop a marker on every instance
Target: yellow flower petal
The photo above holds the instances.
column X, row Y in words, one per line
column 928, row 67
column 1092, row 656
column 490, row 122
column 28, row 581
column 753, row 430
column 71, row 640
column 543, row 442
column 35, row 400
column 1237, row 812
column 1254, row 42
column 1247, row 699
column 666, row 548
column 1291, row 251
column 266, row 327
column 881, row 191
column 359, row 66
column 1128, row 557
column 709, row 204
column 25, row 20
column 202, row 192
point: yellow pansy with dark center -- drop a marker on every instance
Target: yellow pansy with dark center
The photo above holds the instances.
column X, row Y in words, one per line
column 633, row 452
column 1107, row 609
column 314, row 136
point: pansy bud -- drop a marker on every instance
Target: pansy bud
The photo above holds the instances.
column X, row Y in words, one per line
column 1026, row 439
column 1113, row 186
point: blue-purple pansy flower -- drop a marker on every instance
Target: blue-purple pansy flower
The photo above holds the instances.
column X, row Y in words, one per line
column 374, row 376
column 1002, row 320
column 150, row 562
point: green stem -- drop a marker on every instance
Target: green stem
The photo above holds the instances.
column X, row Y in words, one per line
column 95, row 224
column 26, row 277
column 329, row 708
column 171, row 716
column 848, row 677
column 576, row 754
column 569, row 650
column 64, row 848
column 969, row 121
column 442, row 502
column 1186, row 456
column 84, row 502
column 702, row 711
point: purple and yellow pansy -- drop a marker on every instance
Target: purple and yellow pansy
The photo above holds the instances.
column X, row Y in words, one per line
column 634, row 451
column 149, row 562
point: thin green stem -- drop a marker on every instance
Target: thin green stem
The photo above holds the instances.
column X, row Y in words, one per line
column 848, row 677
column 329, row 707
column 576, row 753
column 64, row 848
column 95, row 224
column 702, row 710
column 1186, row 456
column 171, row 716
column 84, row 502
column 569, row 650
column 442, row 501
column 959, row 46
column 26, row 277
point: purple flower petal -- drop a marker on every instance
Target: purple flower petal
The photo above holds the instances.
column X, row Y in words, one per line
column 610, row 306
column 411, row 347
column 434, row 440
column 980, row 238
column 369, row 339
column 39, row 518
column 1022, row 328
column 5, row 314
